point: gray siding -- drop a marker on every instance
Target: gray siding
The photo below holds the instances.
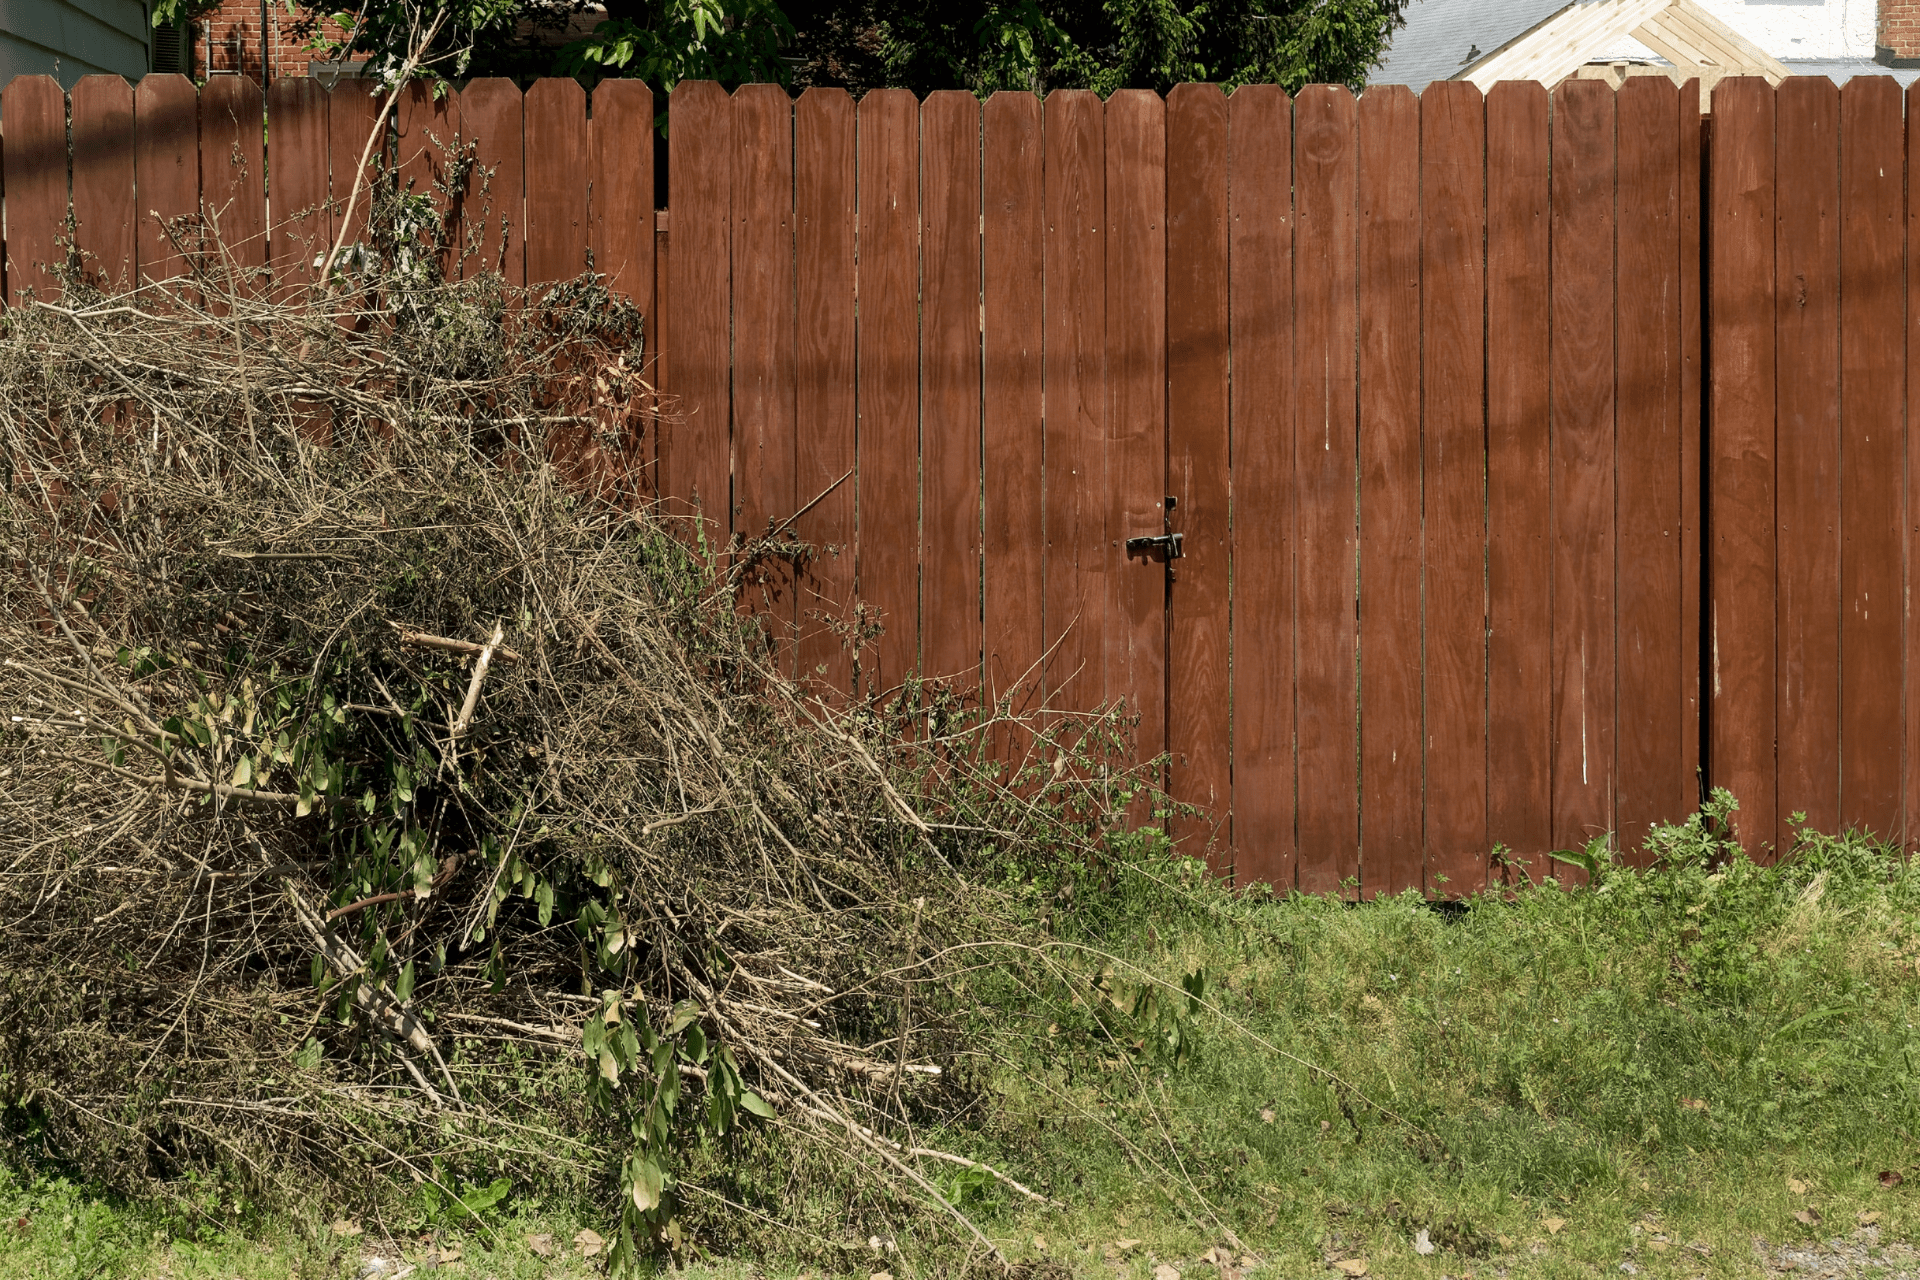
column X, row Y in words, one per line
column 73, row 38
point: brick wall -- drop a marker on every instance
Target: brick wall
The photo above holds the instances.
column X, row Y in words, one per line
column 1897, row 34
column 229, row 40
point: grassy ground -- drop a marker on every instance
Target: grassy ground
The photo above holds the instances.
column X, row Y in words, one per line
column 1651, row 1072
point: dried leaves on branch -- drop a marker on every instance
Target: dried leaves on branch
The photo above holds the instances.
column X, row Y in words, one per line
column 379, row 766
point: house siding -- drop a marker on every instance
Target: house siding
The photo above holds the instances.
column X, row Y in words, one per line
column 73, row 38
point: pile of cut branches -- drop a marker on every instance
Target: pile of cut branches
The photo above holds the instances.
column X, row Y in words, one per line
column 391, row 797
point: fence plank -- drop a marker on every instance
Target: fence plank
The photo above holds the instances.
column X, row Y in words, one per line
column 1199, row 733
column 1910, row 685
column 1134, row 642
column 1692, row 369
column 694, row 453
column 1806, row 321
column 233, row 170
column 824, row 208
column 33, row 112
column 166, row 168
column 1011, row 412
column 301, row 227
column 427, row 129
column 1519, row 689
column 1653, row 771
column 1582, row 424
column 493, row 208
column 103, row 214
column 1261, row 300
column 1391, row 735
column 763, row 343
column 1453, row 216
column 1324, row 336
column 950, row 396
column 1872, row 453
column 352, row 115
column 1076, row 316
column 555, row 128
column 889, row 492
column 621, row 175
column 1741, row 453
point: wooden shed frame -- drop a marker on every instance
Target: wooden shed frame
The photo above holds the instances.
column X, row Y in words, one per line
column 1686, row 35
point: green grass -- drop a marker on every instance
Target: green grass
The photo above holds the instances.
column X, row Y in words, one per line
column 1668, row 1054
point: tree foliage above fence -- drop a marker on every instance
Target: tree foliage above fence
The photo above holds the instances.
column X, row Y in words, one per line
column 1037, row 45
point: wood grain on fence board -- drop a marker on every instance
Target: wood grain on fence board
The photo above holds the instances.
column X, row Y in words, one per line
column 1519, row 563
column 620, row 197
column 1133, row 645
column 889, row 354
column 1075, row 462
column 824, row 407
column 1260, row 297
column 1806, row 320
column 1652, row 771
column 494, row 210
column 950, row 387
column 352, row 115
column 1910, row 685
column 1013, row 236
column 1692, row 370
column 166, row 171
column 555, row 128
column 1581, row 480
column 233, row 170
column 1872, row 454
column 33, row 111
column 765, row 491
column 1328, row 821
column 694, row 451
column 1391, row 757
column 427, row 130
column 300, row 226
column 1453, row 220
column 1199, row 703
column 103, row 215
column 1741, row 454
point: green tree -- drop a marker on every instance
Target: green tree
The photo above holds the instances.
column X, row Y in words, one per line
column 922, row 45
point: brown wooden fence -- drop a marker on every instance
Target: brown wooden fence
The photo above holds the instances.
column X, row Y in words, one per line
column 1419, row 382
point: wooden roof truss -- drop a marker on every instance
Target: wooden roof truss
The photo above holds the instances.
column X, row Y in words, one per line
column 1678, row 30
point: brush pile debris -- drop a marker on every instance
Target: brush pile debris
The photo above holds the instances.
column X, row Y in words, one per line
column 390, row 796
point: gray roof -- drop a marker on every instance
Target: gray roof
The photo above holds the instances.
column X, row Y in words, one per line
column 1841, row 70
column 1444, row 37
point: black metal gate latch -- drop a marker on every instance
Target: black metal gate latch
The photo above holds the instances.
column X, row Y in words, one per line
column 1167, row 542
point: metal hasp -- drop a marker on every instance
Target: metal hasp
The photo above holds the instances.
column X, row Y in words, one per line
column 1168, row 542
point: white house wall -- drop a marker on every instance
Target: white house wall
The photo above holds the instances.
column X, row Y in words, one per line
column 1786, row 29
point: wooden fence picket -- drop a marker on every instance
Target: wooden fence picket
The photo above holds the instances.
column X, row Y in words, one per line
column 1199, row 469
column 1453, row 221
column 33, row 112
column 1012, row 355
column 1133, row 644
column 1392, row 726
column 1872, row 490
column 301, row 220
column 1324, row 284
column 103, row 214
column 888, row 493
column 1261, row 324
column 950, row 388
column 824, row 381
